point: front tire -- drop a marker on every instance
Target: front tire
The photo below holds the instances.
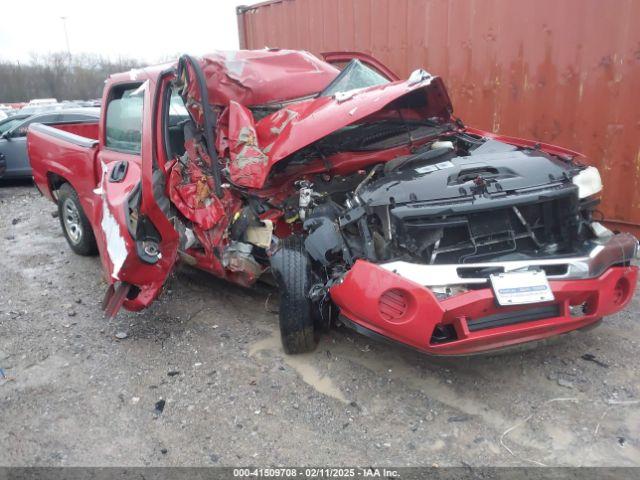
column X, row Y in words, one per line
column 75, row 224
column 292, row 270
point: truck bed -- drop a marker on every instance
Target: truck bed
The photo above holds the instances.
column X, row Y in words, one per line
column 81, row 129
column 65, row 152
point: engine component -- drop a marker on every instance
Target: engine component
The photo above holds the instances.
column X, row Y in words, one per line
column 237, row 258
column 432, row 155
column 324, row 239
column 242, row 220
column 306, row 197
column 260, row 235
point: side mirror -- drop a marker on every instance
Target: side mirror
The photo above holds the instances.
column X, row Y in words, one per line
column 5, row 136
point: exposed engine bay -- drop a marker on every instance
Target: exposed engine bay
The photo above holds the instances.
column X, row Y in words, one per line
column 457, row 199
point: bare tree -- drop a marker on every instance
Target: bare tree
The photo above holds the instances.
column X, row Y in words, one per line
column 55, row 75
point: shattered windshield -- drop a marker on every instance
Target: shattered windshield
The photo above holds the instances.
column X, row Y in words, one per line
column 356, row 75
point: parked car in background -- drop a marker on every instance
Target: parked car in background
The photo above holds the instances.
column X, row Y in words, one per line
column 87, row 103
column 13, row 135
column 3, row 115
column 10, row 109
column 6, row 125
column 43, row 101
column 33, row 109
column 10, row 122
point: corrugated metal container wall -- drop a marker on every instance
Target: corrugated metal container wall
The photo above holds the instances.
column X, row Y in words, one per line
column 559, row 71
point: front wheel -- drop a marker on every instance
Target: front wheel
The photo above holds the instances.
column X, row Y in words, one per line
column 292, row 269
column 75, row 224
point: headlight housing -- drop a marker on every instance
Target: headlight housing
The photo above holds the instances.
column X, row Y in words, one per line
column 588, row 181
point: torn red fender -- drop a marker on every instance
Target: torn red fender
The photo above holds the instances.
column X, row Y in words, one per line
column 247, row 161
column 191, row 192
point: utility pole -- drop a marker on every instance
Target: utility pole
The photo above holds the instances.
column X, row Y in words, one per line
column 66, row 36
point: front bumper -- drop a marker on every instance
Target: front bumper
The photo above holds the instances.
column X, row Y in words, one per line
column 386, row 303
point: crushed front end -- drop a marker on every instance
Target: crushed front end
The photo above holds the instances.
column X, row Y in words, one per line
column 378, row 299
column 471, row 244
column 370, row 204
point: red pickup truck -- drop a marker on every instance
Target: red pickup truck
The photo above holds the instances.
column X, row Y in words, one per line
column 361, row 193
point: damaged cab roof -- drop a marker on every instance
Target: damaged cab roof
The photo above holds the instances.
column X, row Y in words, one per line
column 305, row 98
column 259, row 77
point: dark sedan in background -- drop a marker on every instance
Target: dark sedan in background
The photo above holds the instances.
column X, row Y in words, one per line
column 14, row 161
column 10, row 122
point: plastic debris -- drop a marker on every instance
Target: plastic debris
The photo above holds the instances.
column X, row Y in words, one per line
column 160, row 406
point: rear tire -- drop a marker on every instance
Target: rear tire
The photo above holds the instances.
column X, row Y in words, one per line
column 292, row 269
column 75, row 224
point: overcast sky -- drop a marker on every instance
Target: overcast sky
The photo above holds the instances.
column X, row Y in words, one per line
column 147, row 30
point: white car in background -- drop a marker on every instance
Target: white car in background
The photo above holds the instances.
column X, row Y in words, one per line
column 43, row 101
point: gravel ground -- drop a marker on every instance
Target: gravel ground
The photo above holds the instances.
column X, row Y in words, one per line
column 200, row 379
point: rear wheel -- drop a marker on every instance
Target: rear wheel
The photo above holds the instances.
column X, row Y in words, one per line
column 292, row 269
column 75, row 224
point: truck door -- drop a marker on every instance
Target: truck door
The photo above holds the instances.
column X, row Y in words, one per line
column 138, row 242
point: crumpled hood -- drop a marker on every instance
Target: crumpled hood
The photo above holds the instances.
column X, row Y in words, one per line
column 254, row 147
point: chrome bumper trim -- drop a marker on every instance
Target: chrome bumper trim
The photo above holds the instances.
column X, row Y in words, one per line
column 618, row 249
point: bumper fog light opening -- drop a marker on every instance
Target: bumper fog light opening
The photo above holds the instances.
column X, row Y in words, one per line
column 443, row 333
column 621, row 291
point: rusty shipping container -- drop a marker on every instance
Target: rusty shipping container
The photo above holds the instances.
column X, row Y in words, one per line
column 559, row 71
